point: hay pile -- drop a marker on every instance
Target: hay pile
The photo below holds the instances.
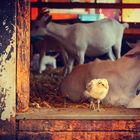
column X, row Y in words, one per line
column 44, row 90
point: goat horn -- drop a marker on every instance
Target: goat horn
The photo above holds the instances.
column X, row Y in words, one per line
column 43, row 13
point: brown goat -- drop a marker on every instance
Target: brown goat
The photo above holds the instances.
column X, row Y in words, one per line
column 123, row 76
column 51, row 44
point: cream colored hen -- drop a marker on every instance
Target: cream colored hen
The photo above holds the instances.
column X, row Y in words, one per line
column 96, row 89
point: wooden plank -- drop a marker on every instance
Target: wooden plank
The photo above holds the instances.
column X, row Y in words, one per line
column 78, row 125
column 23, row 55
column 77, row 113
column 79, row 136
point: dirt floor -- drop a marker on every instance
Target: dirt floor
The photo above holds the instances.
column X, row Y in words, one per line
column 45, row 90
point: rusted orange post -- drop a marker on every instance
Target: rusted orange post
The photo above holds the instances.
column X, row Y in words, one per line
column 23, row 55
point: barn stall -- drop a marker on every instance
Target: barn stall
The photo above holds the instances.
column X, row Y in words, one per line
column 67, row 16
column 57, row 119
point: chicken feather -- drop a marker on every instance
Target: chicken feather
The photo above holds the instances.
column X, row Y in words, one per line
column 96, row 89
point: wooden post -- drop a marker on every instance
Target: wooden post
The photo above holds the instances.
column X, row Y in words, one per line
column 23, row 55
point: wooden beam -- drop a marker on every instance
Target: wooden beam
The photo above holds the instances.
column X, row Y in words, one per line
column 79, row 135
column 78, row 129
column 23, row 55
column 69, row 5
column 79, row 114
column 78, row 125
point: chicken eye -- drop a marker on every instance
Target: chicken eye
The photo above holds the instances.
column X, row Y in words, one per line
column 99, row 83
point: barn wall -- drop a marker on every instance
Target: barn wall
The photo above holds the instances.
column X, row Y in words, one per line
column 79, row 129
column 7, row 68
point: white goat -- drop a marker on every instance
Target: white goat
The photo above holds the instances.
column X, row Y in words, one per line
column 92, row 39
column 47, row 60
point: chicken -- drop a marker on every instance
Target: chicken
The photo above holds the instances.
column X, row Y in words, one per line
column 96, row 89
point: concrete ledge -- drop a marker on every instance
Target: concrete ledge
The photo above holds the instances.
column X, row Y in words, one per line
column 80, row 114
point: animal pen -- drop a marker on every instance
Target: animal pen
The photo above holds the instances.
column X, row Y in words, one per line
column 30, row 104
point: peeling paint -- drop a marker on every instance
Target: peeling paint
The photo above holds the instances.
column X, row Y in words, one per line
column 7, row 59
column 2, row 100
column 9, row 54
column 7, row 29
column 8, row 81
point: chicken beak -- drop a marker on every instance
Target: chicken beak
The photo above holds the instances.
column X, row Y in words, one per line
column 105, row 86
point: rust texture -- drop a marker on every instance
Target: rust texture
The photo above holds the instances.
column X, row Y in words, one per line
column 7, row 129
column 23, row 54
column 79, row 136
column 79, row 129
column 82, row 125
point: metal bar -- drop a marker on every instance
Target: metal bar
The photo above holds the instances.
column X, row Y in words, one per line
column 69, row 5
